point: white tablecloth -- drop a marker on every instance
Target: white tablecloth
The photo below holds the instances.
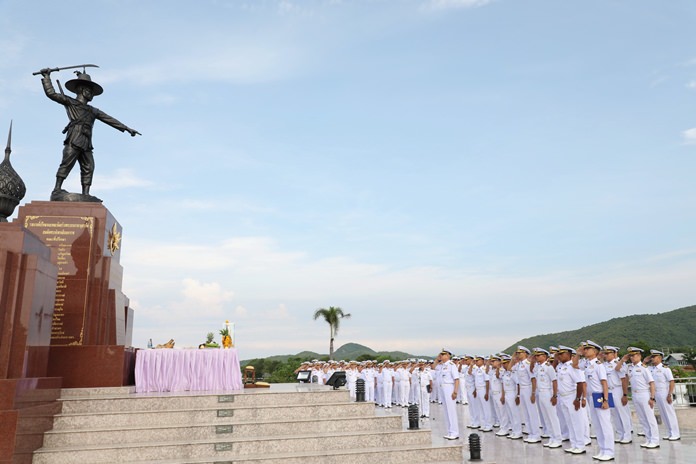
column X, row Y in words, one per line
column 164, row 370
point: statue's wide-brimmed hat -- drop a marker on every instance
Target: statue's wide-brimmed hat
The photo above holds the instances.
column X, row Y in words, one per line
column 84, row 79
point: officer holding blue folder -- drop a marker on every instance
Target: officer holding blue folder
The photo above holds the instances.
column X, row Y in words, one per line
column 598, row 392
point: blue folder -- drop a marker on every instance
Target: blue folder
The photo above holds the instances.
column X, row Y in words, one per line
column 598, row 399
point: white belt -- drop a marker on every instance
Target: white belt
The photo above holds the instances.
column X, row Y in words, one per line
column 642, row 390
column 568, row 393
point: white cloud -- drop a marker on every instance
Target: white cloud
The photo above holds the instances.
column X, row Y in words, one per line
column 241, row 312
column 281, row 312
column 276, row 292
column 119, row 179
column 689, row 136
column 209, row 295
column 691, row 85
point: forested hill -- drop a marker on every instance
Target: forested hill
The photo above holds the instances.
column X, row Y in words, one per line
column 346, row 352
column 671, row 329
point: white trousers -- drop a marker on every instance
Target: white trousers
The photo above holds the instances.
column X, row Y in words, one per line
column 499, row 410
column 450, row 407
column 370, row 390
column 646, row 416
column 574, row 420
column 530, row 413
column 387, row 394
column 484, row 407
column 669, row 416
column 548, row 412
column 621, row 415
column 424, row 401
column 403, row 392
column 513, row 413
column 601, row 421
column 474, row 410
column 435, row 393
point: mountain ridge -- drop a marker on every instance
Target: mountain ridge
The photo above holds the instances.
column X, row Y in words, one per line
column 676, row 328
column 673, row 329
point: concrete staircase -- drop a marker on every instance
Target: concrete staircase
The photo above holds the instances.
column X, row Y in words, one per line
column 285, row 424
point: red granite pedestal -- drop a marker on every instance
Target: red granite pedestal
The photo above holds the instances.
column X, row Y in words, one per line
column 27, row 294
column 91, row 330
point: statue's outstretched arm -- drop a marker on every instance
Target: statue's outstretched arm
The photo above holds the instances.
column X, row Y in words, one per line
column 115, row 123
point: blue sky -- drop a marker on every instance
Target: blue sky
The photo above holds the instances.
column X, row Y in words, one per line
column 458, row 173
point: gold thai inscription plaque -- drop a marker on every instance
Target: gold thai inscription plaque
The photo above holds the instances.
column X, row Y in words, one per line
column 70, row 240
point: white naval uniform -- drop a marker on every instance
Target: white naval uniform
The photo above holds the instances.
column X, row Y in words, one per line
column 368, row 375
column 530, row 413
column 414, row 393
column 620, row 413
column 396, row 392
column 663, row 376
column 379, row 389
column 481, row 379
column 461, row 396
column 448, row 375
column 474, row 410
column 595, row 372
column 640, row 378
column 436, row 394
column 565, row 433
column 567, row 380
column 545, row 376
column 424, row 377
column 513, row 410
column 496, row 394
column 582, row 364
column 387, row 384
column 405, row 386
column 351, row 379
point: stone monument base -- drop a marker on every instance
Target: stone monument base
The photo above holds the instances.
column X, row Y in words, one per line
column 90, row 366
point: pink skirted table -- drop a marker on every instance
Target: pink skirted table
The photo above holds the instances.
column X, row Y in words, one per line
column 170, row 370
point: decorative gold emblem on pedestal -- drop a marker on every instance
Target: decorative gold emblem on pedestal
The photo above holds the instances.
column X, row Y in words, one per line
column 114, row 239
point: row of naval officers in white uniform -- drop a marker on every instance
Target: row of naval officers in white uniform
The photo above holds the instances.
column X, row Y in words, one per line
column 554, row 394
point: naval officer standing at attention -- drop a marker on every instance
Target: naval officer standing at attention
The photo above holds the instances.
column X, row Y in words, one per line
column 449, row 386
column 664, row 389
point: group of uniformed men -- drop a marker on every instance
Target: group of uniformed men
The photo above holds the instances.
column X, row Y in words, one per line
column 554, row 394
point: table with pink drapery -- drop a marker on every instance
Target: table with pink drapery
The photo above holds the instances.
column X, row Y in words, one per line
column 170, row 370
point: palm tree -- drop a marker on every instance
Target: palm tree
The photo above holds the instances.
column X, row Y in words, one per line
column 332, row 316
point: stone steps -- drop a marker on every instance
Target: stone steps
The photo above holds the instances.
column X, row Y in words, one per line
column 363, row 455
column 226, row 415
column 229, row 448
column 284, row 424
column 112, row 436
column 77, row 404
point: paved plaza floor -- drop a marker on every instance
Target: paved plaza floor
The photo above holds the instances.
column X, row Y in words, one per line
column 501, row 450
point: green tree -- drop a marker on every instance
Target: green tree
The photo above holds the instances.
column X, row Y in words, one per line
column 285, row 372
column 332, row 316
column 690, row 357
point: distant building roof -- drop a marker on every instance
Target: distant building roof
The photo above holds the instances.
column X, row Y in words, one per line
column 676, row 359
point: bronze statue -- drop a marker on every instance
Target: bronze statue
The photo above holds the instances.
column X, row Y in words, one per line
column 78, row 140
